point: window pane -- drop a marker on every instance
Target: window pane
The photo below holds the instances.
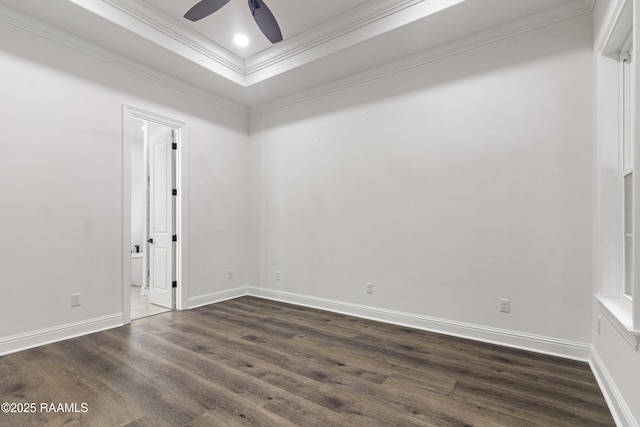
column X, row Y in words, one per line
column 627, row 146
column 628, row 203
column 628, row 264
column 628, row 233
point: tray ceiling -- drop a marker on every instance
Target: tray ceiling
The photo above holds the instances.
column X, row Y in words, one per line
column 324, row 41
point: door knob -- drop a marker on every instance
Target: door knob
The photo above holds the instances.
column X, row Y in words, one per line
column 150, row 241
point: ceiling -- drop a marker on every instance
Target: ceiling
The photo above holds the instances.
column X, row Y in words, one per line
column 325, row 41
column 296, row 17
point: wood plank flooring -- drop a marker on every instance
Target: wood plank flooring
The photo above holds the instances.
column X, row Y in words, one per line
column 257, row 362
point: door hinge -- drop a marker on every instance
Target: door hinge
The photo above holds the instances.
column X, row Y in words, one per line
column 174, row 191
column 175, row 237
column 174, row 284
column 148, row 273
column 174, row 145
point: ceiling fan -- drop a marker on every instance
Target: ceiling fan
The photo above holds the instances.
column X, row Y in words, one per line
column 261, row 13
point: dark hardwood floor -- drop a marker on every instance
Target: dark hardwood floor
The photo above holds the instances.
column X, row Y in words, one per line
column 257, row 362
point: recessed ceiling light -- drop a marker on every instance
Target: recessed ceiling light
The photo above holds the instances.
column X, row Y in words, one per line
column 241, row 40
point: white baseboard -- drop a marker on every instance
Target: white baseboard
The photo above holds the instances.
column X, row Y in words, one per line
column 553, row 346
column 540, row 344
column 28, row 340
column 200, row 300
column 621, row 413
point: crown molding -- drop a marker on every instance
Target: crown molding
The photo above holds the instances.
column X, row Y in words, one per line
column 529, row 23
column 169, row 38
column 343, row 32
column 164, row 24
column 618, row 25
column 57, row 35
column 328, row 31
column 346, row 30
column 154, row 25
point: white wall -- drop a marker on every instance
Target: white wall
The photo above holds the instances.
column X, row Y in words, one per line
column 448, row 185
column 61, row 168
column 615, row 359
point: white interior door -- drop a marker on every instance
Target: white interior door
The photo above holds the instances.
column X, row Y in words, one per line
column 161, row 220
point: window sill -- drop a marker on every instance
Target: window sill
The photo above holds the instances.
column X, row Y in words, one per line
column 619, row 314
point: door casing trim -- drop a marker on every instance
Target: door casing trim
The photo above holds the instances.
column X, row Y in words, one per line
column 182, row 293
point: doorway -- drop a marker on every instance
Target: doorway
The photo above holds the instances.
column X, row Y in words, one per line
column 153, row 213
column 152, row 220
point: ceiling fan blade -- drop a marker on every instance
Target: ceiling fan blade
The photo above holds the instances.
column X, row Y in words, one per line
column 204, row 8
column 265, row 20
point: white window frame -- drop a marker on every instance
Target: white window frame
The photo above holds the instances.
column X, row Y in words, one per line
column 627, row 163
column 616, row 80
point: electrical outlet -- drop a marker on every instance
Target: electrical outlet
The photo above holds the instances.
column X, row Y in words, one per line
column 598, row 325
column 370, row 287
column 277, row 275
column 230, row 274
column 505, row 306
column 75, row 300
